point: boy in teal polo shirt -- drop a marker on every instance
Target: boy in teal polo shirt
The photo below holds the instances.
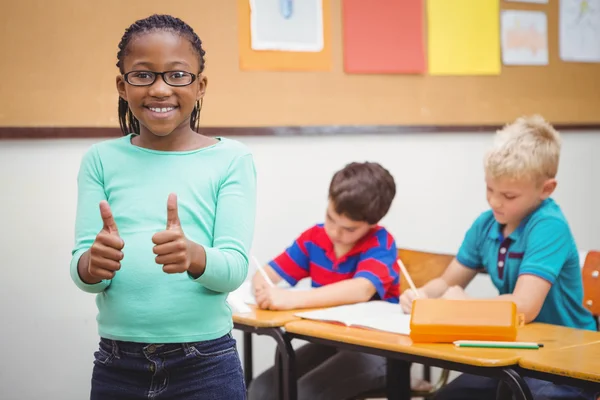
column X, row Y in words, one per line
column 525, row 245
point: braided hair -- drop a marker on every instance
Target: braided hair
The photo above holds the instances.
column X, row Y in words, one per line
column 128, row 122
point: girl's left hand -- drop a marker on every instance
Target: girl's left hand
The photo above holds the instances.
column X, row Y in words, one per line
column 172, row 248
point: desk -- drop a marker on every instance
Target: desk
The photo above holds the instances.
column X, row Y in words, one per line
column 266, row 322
column 499, row 363
column 574, row 365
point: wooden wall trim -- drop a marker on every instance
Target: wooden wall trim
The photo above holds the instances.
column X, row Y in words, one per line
column 28, row 133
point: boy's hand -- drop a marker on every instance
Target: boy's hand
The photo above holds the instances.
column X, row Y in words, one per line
column 105, row 253
column 455, row 293
column 172, row 248
column 407, row 298
column 275, row 298
column 258, row 283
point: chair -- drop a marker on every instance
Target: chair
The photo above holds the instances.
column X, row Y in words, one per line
column 422, row 267
column 591, row 284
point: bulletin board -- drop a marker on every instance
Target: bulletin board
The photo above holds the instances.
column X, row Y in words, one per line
column 63, row 75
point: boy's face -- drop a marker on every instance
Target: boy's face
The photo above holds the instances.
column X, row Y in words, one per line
column 343, row 231
column 512, row 200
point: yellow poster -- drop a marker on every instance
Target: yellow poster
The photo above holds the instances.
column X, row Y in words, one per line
column 464, row 37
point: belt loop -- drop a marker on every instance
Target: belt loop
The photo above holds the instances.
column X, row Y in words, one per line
column 115, row 349
column 187, row 350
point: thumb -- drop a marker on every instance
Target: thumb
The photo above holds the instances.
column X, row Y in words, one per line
column 172, row 213
column 107, row 218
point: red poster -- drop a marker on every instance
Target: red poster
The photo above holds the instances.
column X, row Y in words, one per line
column 383, row 36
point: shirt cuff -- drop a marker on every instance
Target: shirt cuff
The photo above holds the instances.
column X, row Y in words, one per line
column 218, row 273
column 86, row 287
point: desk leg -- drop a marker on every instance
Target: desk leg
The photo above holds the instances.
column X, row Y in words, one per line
column 287, row 357
column 248, row 373
column 398, row 379
column 517, row 385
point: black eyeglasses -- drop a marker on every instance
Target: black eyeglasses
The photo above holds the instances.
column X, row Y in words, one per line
column 171, row 78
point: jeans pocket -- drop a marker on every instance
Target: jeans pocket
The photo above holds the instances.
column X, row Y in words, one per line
column 214, row 348
column 102, row 356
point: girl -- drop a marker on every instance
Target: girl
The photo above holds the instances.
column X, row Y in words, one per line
column 173, row 232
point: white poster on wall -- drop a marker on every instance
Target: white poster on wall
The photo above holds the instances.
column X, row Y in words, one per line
column 287, row 25
column 524, row 38
column 579, row 30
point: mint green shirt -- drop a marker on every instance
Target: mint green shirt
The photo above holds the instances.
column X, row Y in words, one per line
column 216, row 193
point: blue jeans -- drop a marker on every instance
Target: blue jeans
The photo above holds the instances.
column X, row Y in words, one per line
column 209, row 370
column 473, row 387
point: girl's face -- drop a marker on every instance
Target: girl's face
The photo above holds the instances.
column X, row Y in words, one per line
column 162, row 109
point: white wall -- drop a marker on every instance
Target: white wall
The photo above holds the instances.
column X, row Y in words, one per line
column 48, row 329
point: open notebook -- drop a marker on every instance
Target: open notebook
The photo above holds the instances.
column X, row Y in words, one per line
column 377, row 315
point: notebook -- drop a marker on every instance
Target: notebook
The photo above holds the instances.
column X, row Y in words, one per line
column 377, row 315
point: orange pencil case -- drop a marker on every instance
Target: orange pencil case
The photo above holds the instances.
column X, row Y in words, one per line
column 445, row 321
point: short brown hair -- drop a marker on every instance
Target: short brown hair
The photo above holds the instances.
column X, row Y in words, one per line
column 362, row 191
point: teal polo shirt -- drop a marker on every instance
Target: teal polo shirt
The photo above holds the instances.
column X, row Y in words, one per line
column 543, row 246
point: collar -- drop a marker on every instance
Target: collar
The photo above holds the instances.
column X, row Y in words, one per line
column 495, row 231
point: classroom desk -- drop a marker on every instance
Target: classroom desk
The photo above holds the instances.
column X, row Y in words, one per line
column 574, row 365
column 270, row 323
column 400, row 351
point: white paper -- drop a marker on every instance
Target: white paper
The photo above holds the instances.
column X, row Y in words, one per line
column 524, row 38
column 243, row 295
column 271, row 30
column 530, row 1
column 378, row 315
column 237, row 304
column 579, row 30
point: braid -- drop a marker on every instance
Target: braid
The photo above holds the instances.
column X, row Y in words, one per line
column 127, row 121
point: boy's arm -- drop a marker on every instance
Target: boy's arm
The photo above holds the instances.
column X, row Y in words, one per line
column 258, row 281
column 529, row 295
column 455, row 274
column 350, row 291
column 291, row 265
column 546, row 253
column 376, row 272
column 459, row 273
column 548, row 248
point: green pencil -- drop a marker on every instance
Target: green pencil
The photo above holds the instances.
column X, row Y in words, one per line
column 497, row 345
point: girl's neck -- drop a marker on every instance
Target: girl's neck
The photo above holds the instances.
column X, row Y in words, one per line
column 185, row 140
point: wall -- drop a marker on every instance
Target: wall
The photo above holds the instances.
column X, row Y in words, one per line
column 48, row 329
column 62, row 73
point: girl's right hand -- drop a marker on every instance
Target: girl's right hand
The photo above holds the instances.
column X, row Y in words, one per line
column 105, row 253
column 406, row 299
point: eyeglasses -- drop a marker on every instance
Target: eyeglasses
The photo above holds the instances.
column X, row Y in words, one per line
column 171, row 78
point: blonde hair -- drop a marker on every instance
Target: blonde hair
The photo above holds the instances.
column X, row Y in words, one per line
column 527, row 148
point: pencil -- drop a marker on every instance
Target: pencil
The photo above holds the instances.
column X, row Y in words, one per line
column 262, row 272
column 407, row 277
column 497, row 345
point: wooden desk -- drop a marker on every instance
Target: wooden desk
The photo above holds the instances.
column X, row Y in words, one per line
column 552, row 336
column 498, row 363
column 270, row 323
column 573, row 365
column 258, row 318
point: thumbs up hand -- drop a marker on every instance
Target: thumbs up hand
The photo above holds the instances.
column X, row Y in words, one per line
column 105, row 253
column 172, row 249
